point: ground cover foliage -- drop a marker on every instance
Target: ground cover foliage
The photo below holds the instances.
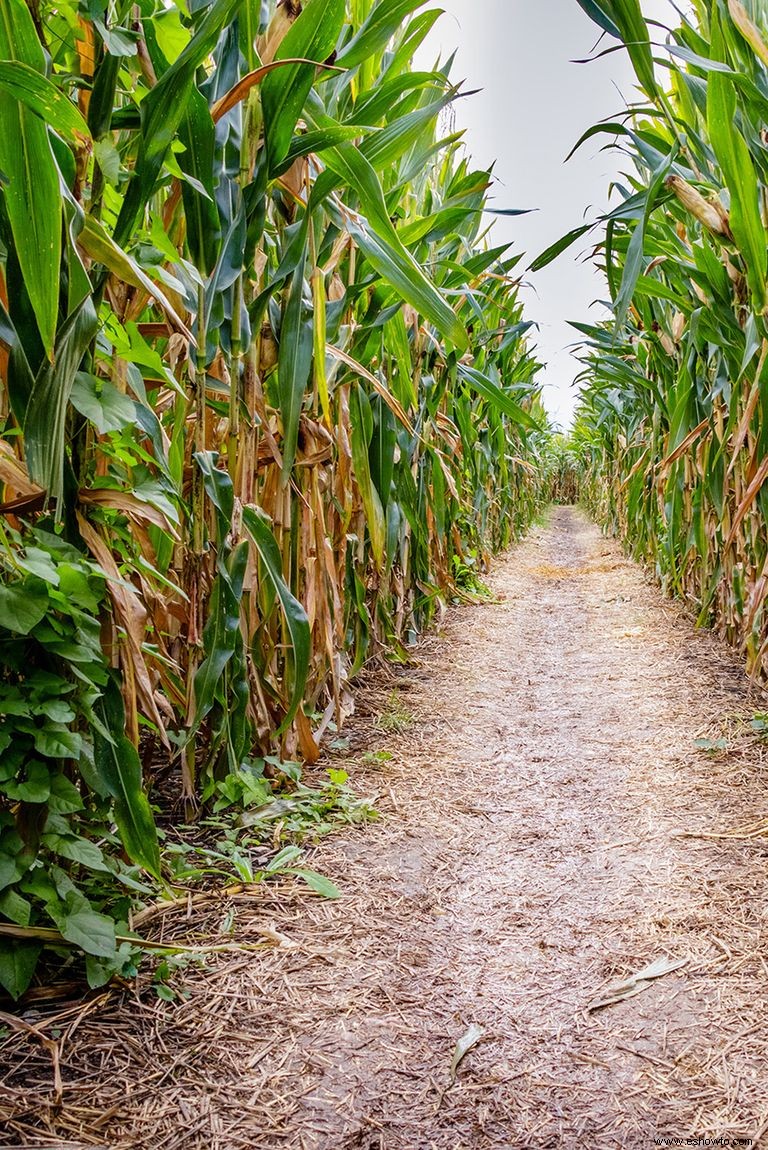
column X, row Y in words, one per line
column 265, row 398
column 673, row 423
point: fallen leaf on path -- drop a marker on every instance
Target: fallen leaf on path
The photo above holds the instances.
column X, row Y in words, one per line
column 638, row 982
column 463, row 1047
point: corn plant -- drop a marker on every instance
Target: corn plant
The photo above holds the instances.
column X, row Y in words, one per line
column 264, row 385
column 672, row 428
column 563, row 468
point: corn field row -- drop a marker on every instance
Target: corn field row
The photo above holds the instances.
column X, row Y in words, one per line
column 265, row 400
column 672, row 426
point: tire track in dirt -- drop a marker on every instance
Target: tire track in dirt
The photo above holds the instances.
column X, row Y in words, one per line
column 531, row 853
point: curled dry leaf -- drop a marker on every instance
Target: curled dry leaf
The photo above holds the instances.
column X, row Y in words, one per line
column 636, row 983
column 467, row 1041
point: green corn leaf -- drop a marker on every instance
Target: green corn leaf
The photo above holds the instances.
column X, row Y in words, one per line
column 382, row 449
column 396, row 339
column 31, row 188
column 294, row 365
column 102, row 103
column 222, row 638
column 405, row 275
column 634, row 261
column 31, row 88
column 119, row 769
column 388, row 145
column 312, row 36
column 416, row 33
column 318, row 140
column 220, row 491
column 297, row 623
column 197, row 133
column 436, row 227
column 378, row 239
column 637, row 39
column 624, row 20
column 738, row 169
column 603, row 14
column 375, row 105
column 610, row 128
column 559, row 246
column 384, row 19
column 317, row 882
column 319, row 340
column 46, row 416
column 361, row 419
column 162, row 111
column 249, row 20
column 491, row 391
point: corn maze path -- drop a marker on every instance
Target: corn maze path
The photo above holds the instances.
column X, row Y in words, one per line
column 548, row 831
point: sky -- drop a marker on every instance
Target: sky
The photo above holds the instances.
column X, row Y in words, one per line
column 534, row 105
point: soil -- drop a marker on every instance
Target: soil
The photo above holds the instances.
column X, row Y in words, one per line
column 575, row 794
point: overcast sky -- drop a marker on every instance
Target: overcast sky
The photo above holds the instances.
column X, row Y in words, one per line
column 534, row 106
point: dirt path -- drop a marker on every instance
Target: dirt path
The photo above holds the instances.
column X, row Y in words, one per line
column 533, row 851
